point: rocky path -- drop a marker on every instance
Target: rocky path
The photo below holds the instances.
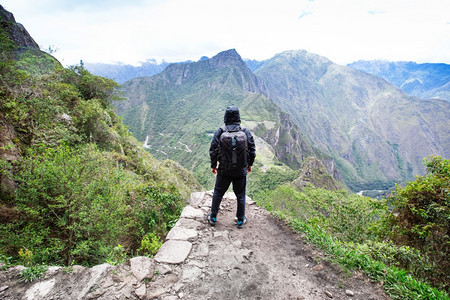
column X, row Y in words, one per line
column 264, row 260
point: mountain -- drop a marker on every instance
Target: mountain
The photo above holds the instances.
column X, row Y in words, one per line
column 376, row 133
column 426, row 81
column 253, row 64
column 15, row 31
column 315, row 173
column 124, row 72
column 177, row 111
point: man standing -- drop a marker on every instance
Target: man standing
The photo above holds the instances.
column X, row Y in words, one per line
column 233, row 148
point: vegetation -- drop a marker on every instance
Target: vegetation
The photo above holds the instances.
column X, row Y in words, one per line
column 84, row 191
column 401, row 241
column 422, row 218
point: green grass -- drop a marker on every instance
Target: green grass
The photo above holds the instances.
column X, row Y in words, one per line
column 347, row 228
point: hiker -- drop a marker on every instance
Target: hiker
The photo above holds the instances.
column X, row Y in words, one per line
column 233, row 148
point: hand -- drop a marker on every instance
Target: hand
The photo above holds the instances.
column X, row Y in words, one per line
column 214, row 170
column 249, row 169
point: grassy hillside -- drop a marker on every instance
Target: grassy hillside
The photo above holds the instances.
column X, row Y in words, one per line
column 400, row 242
column 76, row 186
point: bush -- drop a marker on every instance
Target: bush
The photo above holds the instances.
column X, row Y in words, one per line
column 70, row 206
column 150, row 244
column 421, row 217
column 348, row 217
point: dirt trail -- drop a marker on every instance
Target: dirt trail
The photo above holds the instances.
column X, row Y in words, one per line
column 264, row 260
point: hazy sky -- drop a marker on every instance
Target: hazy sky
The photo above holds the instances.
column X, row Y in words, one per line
column 132, row 31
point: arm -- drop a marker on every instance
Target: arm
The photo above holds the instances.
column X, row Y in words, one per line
column 251, row 149
column 214, row 150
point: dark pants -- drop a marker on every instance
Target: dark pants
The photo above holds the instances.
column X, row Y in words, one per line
column 223, row 181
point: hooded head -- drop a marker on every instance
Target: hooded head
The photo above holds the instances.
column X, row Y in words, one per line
column 232, row 116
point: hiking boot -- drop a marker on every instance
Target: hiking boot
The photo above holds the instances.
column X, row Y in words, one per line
column 241, row 223
column 212, row 220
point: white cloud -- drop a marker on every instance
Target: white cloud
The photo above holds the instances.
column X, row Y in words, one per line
column 175, row 30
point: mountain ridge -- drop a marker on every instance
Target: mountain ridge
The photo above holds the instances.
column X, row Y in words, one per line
column 195, row 95
column 375, row 133
column 426, row 80
column 340, row 109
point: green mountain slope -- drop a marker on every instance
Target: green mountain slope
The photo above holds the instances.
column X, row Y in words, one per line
column 376, row 133
column 177, row 111
column 76, row 186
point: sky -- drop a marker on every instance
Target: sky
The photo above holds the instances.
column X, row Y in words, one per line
column 134, row 31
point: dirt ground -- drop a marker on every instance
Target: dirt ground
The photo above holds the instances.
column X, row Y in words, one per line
column 264, row 260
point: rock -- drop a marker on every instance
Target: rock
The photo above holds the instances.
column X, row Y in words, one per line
column 349, row 293
column 40, row 289
column 196, row 198
column 155, row 293
column 180, row 233
column 329, row 294
column 191, row 273
column 141, row 291
column 192, row 213
column 246, row 253
column 318, row 267
column 188, row 223
column 142, row 267
column 173, row 252
column 94, row 276
column 51, row 271
column 197, row 263
column 177, row 287
column 3, row 288
column 207, row 203
column 164, row 269
column 18, row 268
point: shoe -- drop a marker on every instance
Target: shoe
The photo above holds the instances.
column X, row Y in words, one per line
column 212, row 220
column 241, row 223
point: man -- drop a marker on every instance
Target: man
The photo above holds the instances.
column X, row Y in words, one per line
column 226, row 174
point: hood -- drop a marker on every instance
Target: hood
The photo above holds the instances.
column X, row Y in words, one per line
column 232, row 115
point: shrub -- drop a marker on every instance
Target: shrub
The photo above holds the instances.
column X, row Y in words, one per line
column 32, row 273
column 421, row 217
column 349, row 217
column 150, row 244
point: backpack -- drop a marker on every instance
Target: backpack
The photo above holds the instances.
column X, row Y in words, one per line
column 233, row 149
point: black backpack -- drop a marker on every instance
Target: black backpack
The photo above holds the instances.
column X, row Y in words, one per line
column 233, row 149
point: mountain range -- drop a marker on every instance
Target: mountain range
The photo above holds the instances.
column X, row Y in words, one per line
column 123, row 72
column 364, row 129
column 177, row 111
column 375, row 132
column 426, row 81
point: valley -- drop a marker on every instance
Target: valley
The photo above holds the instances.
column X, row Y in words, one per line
column 367, row 132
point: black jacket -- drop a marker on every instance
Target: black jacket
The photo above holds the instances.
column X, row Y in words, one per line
column 214, row 148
